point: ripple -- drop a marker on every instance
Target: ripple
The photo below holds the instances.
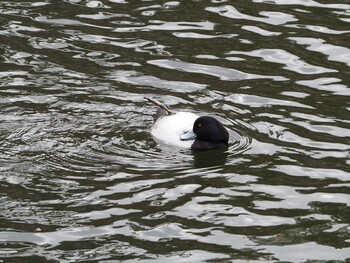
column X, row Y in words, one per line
column 168, row 26
column 135, row 78
column 292, row 252
column 317, row 173
column 333, row 52
column 224, row 214
column 328, row 85
column 274, row 18
column 65, row 22
column 307, row 3
column 202, row 36
column 260, row 31
column 259, row 101
column 216, row 71
column 283, row 57
column 321, row 29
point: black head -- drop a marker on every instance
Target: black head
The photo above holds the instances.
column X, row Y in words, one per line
column 210, row 134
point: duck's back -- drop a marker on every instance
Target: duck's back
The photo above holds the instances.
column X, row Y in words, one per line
column 169, row 128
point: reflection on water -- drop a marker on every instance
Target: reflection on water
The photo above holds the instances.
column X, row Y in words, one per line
column 210, row 158
column 82, row 179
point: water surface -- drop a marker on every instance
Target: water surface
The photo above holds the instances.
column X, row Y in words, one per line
column 82, row 179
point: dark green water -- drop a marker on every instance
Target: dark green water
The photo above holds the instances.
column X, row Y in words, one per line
column 82, row 179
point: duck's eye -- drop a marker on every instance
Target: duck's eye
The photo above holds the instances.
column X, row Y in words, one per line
column 199, row 125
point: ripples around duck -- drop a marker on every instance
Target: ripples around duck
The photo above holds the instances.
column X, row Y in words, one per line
column 81, row 178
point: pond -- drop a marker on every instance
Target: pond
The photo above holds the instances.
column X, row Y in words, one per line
column 83, row 180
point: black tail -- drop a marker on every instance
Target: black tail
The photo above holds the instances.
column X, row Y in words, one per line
column 160, row 113
column 162, row 109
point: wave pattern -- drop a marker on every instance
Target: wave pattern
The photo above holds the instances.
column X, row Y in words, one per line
column 81, row 178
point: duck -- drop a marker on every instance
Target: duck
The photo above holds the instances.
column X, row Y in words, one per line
column 188, row 130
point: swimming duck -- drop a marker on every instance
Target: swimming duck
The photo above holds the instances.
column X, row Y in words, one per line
column 188, row 130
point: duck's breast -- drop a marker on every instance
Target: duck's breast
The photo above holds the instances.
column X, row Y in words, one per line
column 169, row 128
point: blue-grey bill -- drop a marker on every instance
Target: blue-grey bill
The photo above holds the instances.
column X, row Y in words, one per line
column 188, row 136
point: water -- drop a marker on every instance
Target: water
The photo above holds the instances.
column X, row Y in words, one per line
column 82, row 179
